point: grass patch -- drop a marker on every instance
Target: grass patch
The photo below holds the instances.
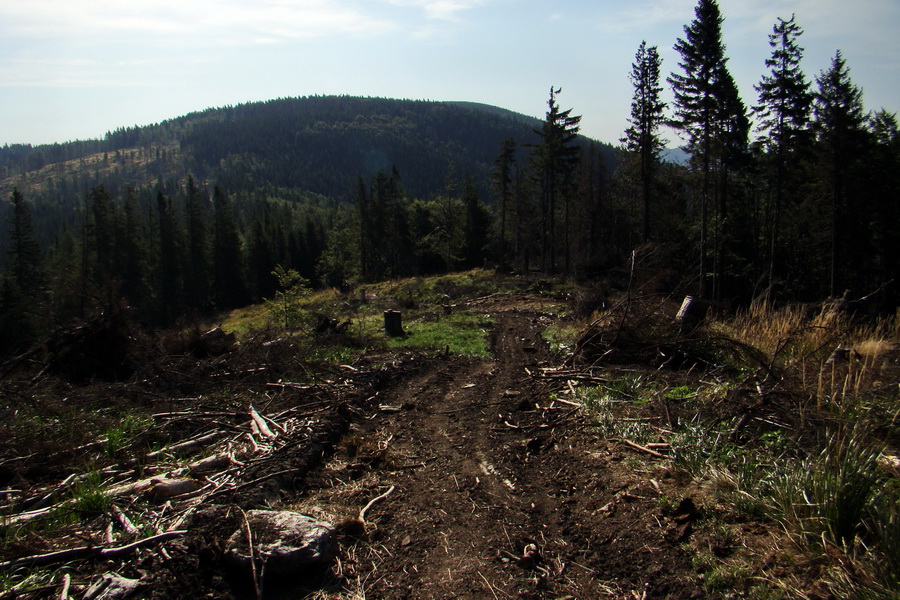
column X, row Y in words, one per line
column 88, row 497
column 462, row 333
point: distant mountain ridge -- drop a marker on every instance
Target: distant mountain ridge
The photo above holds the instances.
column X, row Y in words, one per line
column 316, row 145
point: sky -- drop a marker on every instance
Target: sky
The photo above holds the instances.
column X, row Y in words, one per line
column 75, row 70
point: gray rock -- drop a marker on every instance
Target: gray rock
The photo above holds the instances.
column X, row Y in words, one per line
column 284, row 542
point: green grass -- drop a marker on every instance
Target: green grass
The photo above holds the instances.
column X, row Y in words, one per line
column 88, row 498
column 462, row 333
column 120, row 435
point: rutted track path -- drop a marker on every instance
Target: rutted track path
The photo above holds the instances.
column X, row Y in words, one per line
column 499, row 491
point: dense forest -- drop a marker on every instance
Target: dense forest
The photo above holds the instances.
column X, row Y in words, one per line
column 792, row 196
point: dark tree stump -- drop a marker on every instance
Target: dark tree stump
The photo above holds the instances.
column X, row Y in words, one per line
column 393, row 323
column 692, row 312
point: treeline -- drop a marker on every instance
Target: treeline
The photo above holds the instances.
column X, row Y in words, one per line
column 795, row 196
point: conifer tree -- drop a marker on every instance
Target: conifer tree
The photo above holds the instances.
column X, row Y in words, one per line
column 554, row 161
column 884, row 195
column 229, row 287
column 708, row 110
column 783, row 112
column 169, row 275
column 197, row 273
column 642, row 138
column 24, row 251
column 501, row 181
column 132, row 255
column 100, row 239
column 839, row 126
column 478, row 225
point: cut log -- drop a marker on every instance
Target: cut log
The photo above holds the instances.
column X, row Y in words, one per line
column 393, row 323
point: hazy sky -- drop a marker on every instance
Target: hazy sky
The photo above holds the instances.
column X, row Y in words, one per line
column 76, row 69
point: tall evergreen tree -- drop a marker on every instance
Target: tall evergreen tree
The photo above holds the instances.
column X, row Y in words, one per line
column 26, row 263
column 132, row 256
column 783, row 112
column 884, row 195
column 839, row 125
column 229, row 287
column 554, row 161
column 169, row 275
column 197, row 285
column 502, row 184
column 100, row 236
column 478, row 226
column 706, row 110
column 643, row 138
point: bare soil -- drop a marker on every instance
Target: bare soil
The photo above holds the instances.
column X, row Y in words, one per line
column 485, row 464
column 499, row 488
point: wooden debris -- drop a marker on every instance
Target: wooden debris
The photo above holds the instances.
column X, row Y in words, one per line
column 259, row 424
column 86, row 552
column 636, row 446
column 112, row 586
column 169, row 488
column 64, row 592
column 372, row 502
column 123, row 520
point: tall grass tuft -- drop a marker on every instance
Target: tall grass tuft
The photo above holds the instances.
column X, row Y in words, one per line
column 827, row 497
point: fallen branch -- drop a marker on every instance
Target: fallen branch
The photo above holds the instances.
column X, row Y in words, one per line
column 260, row 424
column 64, row 592
column 569, row 402
column 639, row 447
column 372, row 502
column 123, row 520
column 86, row 552
column 199, row 441
column 248, row 532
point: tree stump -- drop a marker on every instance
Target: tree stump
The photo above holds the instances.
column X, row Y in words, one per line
column 393, row 323
column 692, row 312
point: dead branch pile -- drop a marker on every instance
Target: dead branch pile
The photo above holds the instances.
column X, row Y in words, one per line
column 639, row 330
column 644, row 330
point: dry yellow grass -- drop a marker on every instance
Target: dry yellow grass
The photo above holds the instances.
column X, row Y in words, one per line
column 838, row 362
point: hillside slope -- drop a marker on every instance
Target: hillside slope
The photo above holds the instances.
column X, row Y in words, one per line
column 314, row 145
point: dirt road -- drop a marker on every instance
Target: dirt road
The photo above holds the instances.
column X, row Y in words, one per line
column 498, row 491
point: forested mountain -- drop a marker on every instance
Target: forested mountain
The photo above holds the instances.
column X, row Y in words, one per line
column 317, row 145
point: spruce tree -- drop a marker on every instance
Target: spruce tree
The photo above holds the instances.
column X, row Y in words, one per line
column 783, row 112
column 709, row 111
column 197, row 274
column 170, row 273
column 477, row 227
column 839, row 125
column 100, row 238
column 24, row 251
column 229, row 287
column 501, row 182
column 643, row 138
column 554, row 161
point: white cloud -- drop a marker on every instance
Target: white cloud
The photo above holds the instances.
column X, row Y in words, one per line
column 444, row 10
column 642, row 16
column 234, row 21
